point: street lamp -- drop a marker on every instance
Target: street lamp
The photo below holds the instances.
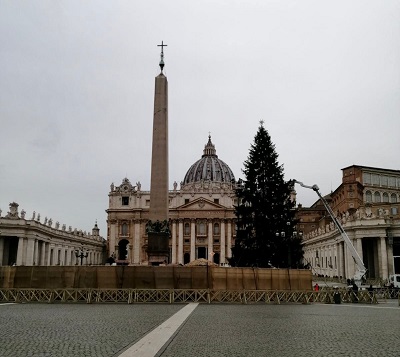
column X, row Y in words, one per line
column 80, row 253
column 285, row 234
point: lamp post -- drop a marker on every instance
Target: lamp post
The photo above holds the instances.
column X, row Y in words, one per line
column 80, row 253
column 285, row 234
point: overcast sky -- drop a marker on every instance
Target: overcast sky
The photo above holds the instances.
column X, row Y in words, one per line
column 77, row 89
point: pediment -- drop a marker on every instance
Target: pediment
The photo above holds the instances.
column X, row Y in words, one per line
column 201, row 204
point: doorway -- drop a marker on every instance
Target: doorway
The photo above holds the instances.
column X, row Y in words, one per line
column 201, row 253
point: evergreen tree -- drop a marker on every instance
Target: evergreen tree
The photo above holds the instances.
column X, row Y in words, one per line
column 265, row 214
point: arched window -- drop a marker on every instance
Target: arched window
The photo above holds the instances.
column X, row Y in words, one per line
column 393, row 198
column 187, row 229
column 368, row 196
column 216, row 229
column 124, row 229
column 385, row 197
column 377, row 197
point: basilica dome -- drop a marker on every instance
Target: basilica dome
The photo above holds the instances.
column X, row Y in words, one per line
column 209, row 168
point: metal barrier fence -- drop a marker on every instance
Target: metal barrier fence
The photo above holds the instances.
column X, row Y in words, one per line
column 132, row 296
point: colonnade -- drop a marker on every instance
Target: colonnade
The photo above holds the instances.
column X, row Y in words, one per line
column 35, row 251
column 333, row 257
column 215, row 242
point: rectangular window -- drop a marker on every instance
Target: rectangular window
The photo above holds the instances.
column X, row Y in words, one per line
column 125, row 201
column 186, row 201
column 375, row 180
column 147, row 202
column 201, row 229
column 367, row 178
column 392, row 181
column 216, row 200
column 393, row 211
column 384, row 180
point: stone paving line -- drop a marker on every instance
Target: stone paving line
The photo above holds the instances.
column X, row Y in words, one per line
column 151, row 344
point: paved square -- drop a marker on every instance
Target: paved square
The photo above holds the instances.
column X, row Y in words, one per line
column 211, row 330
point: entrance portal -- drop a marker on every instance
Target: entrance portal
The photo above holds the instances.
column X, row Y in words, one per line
column 123, row 250
column 201, row 252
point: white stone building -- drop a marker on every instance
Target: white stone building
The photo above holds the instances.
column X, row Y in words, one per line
column 29, row 242
column 201, row 215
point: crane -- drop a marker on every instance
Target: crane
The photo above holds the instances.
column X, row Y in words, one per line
column 361, row 269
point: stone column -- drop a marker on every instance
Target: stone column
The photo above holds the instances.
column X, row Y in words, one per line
column 20, row 252
column 192, row 240
column 62, row 255
column 113, row 237
column 67, row 255
column 173, row 244
column 30, row 250
column 36, row 253
column 180, row 242
column 136, row 243
column 1, row 250
column 210, row 241
column 42, row 247
column 229, row 240
column 222, row 242
column 339, row 259
column 384, row 260
column 359, row 248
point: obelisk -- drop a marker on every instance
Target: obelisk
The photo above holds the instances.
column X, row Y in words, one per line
column 158, row 226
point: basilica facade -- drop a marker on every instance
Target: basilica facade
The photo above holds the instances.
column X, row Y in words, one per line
column 201, row 215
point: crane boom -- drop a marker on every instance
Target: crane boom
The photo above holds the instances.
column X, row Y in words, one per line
column 361, row 269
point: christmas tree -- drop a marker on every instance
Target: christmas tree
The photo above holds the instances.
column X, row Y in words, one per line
column 265, row 234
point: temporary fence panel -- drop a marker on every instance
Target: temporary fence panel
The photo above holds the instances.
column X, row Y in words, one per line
column 86, row 277
column 164, row 277
column 144, row 277
column 200, row 277
column 182, row 278
column 234, row 279
column 108, row 277
column 22, row 278
column 70, row 273
column 264, row 279
column 127, row 276
column 218, row 278
column 249, row 278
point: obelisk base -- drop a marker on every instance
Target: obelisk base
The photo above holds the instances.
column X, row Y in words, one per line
column 158, row 248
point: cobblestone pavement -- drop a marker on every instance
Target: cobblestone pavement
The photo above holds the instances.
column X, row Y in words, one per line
column 48, row 330
column 289, row 330
column 58, row 330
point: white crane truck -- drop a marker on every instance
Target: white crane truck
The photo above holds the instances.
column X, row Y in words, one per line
column 360, row 267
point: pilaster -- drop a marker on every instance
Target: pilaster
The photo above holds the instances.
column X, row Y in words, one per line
column 210, row 240
column 192, row 240
column 222, row 242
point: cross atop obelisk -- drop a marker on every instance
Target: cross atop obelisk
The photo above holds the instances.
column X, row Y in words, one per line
column 162, row 64
column 158, row 225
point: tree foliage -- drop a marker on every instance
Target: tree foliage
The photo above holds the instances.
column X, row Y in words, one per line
column 265, row 234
